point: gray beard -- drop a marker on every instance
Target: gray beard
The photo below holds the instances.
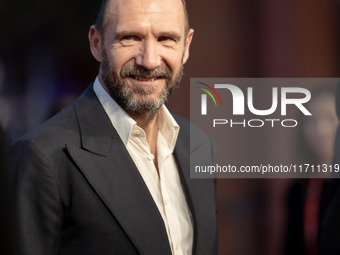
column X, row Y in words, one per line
column 125, row 96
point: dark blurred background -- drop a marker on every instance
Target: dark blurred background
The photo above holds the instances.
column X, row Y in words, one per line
column 45, row 63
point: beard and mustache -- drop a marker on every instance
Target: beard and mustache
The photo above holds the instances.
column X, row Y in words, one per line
column 136, row 100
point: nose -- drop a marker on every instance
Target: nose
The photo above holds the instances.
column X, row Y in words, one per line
column 149, row 56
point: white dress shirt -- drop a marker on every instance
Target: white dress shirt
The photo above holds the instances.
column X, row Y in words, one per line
column 165, row 185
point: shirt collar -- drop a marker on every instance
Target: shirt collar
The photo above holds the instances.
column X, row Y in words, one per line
column 120, row 120
column 168, row 127
column 124, row 124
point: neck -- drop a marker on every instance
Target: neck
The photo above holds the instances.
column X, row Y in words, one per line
column 146, row 121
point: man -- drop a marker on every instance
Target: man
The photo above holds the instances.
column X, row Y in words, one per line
column 110, row 173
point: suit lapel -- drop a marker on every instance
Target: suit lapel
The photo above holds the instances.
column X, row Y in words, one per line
column 200, row 195
column 109, row 169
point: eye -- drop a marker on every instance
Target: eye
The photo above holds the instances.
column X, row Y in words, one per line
column 130, row 38
column 165, row 39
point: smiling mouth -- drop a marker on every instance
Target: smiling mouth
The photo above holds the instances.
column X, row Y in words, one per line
column 144, row 78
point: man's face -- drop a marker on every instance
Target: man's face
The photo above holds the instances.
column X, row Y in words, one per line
column 143, row 47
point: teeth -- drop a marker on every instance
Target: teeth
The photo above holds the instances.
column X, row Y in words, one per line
column 144, row 79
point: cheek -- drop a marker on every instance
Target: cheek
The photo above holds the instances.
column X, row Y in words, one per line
column 119, row 58
column 171, row 54
column 173, row 61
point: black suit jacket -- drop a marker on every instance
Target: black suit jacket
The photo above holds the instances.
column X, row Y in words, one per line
column 77, row 190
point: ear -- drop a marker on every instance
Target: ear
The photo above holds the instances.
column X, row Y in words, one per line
column 95, row 40
column 187, row 45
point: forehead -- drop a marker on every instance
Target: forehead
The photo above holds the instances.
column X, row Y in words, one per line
column 156, row 14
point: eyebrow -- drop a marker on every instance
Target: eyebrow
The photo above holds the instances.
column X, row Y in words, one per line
column 125, row 33
column 120, row 34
